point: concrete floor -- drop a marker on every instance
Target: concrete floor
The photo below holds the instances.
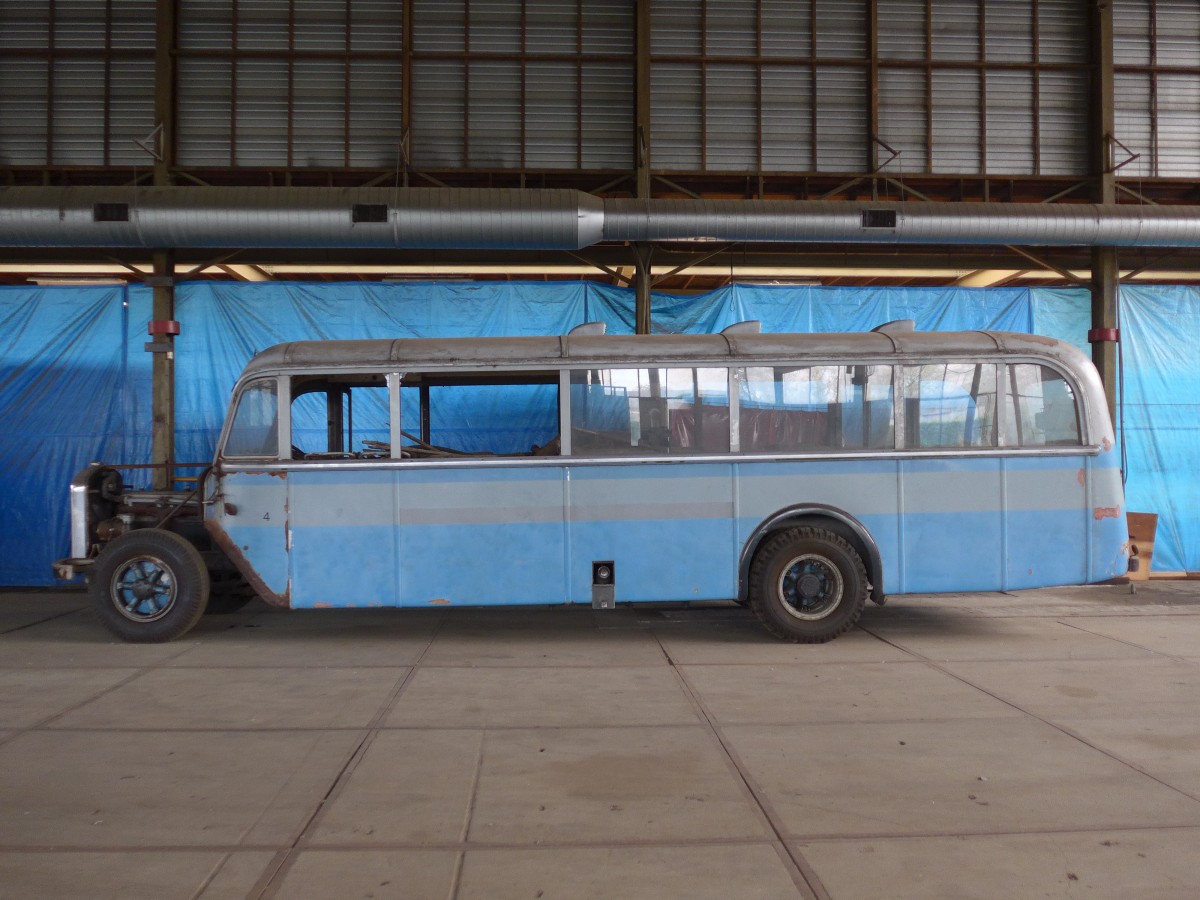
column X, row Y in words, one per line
column 1040, row 744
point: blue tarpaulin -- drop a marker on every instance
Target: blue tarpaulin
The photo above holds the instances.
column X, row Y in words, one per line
column 75, row 379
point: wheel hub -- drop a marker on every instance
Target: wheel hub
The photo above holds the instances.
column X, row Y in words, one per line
column 143, row 589
column 810, row 586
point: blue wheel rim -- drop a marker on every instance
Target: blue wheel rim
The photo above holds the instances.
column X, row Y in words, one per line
column 810, row 587
column 143, row 589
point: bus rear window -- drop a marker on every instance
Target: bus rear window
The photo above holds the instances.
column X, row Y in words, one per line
column 1041, row 408
column 790, row 409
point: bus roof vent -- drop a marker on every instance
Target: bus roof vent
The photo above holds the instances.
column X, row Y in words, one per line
column 896, row 326
column 588, row 329
column 750, row 326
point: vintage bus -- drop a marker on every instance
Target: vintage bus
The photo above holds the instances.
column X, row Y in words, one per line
column 798, row 474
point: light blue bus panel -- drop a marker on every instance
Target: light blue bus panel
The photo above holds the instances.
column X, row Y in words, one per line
column 951, row 524
column 1047, row 522
column 668, row 528
column 481, row 536
column 1109, row 545
column 343, row 537
column 252, row 511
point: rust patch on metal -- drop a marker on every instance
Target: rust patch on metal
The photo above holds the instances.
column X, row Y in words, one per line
column 1106, row 444
column 282, row 475
column 1106, row 512
column 1039, row 339
column 439, row 601
column 230, row 549
column 1081, row 477
column 322, row 605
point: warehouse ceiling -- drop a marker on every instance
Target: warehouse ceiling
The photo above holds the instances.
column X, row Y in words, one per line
column 864, row 100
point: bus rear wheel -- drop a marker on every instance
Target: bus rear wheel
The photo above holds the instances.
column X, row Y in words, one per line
column 149, row 586
column 807, row 585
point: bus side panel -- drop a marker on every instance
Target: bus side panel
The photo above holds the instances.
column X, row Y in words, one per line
column 1109, row 529
column 486, row 536
column 251, row 510
column 1047, row 521
column 951, row 525
column 343, row 547
column 865, row 489
column 667, row 528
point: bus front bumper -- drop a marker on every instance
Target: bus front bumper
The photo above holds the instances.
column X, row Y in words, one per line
column 69, row 568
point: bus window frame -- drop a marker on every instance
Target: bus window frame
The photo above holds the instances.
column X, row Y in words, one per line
column 1079, row 396
column 1006, row 440
column 281, row 414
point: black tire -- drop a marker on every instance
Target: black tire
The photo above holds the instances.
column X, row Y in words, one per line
column 807, row 585
column 149, row 586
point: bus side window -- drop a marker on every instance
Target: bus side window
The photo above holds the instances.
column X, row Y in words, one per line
column 950, row 405
column 1041, row 410
column 254, row 431
column 465, row 414
column 339, row 418
column 623, row 412
column 790, row 409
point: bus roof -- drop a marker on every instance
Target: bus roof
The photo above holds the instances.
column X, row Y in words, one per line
column 403, row 354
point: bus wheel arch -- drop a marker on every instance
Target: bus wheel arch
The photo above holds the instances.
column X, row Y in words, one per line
column 827, row 518
column 807, row 584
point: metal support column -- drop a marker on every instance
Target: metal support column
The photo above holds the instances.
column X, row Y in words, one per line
column 163, row 370
column 641, row 155
column 1105, row 271
column 643, row 252
column 1104, row 334
column 162, row 452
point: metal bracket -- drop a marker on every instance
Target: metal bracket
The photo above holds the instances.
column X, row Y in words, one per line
column 604, row 588
column 1097, row 335
column 152, row 143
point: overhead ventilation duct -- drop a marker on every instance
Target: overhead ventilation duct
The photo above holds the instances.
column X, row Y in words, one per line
column 300, row 217
column 1036, row 224
column 416, row 218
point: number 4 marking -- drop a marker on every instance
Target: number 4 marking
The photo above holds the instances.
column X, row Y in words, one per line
column 267, row 516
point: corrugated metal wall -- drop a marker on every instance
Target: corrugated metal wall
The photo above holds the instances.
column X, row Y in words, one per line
column 76, row 81
column 1156, row 58
column 738, row 86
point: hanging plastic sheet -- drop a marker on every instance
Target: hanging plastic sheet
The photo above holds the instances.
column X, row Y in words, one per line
column 1063, row 313
column 75, row 380
column 1160, row 328
column 63, row 403
column 818, row 309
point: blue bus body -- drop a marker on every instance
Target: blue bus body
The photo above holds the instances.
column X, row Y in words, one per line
column 344, row 528
column 501, row 535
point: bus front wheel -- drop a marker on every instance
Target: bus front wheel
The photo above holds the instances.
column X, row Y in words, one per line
column 807, row 585
column 149, row 586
